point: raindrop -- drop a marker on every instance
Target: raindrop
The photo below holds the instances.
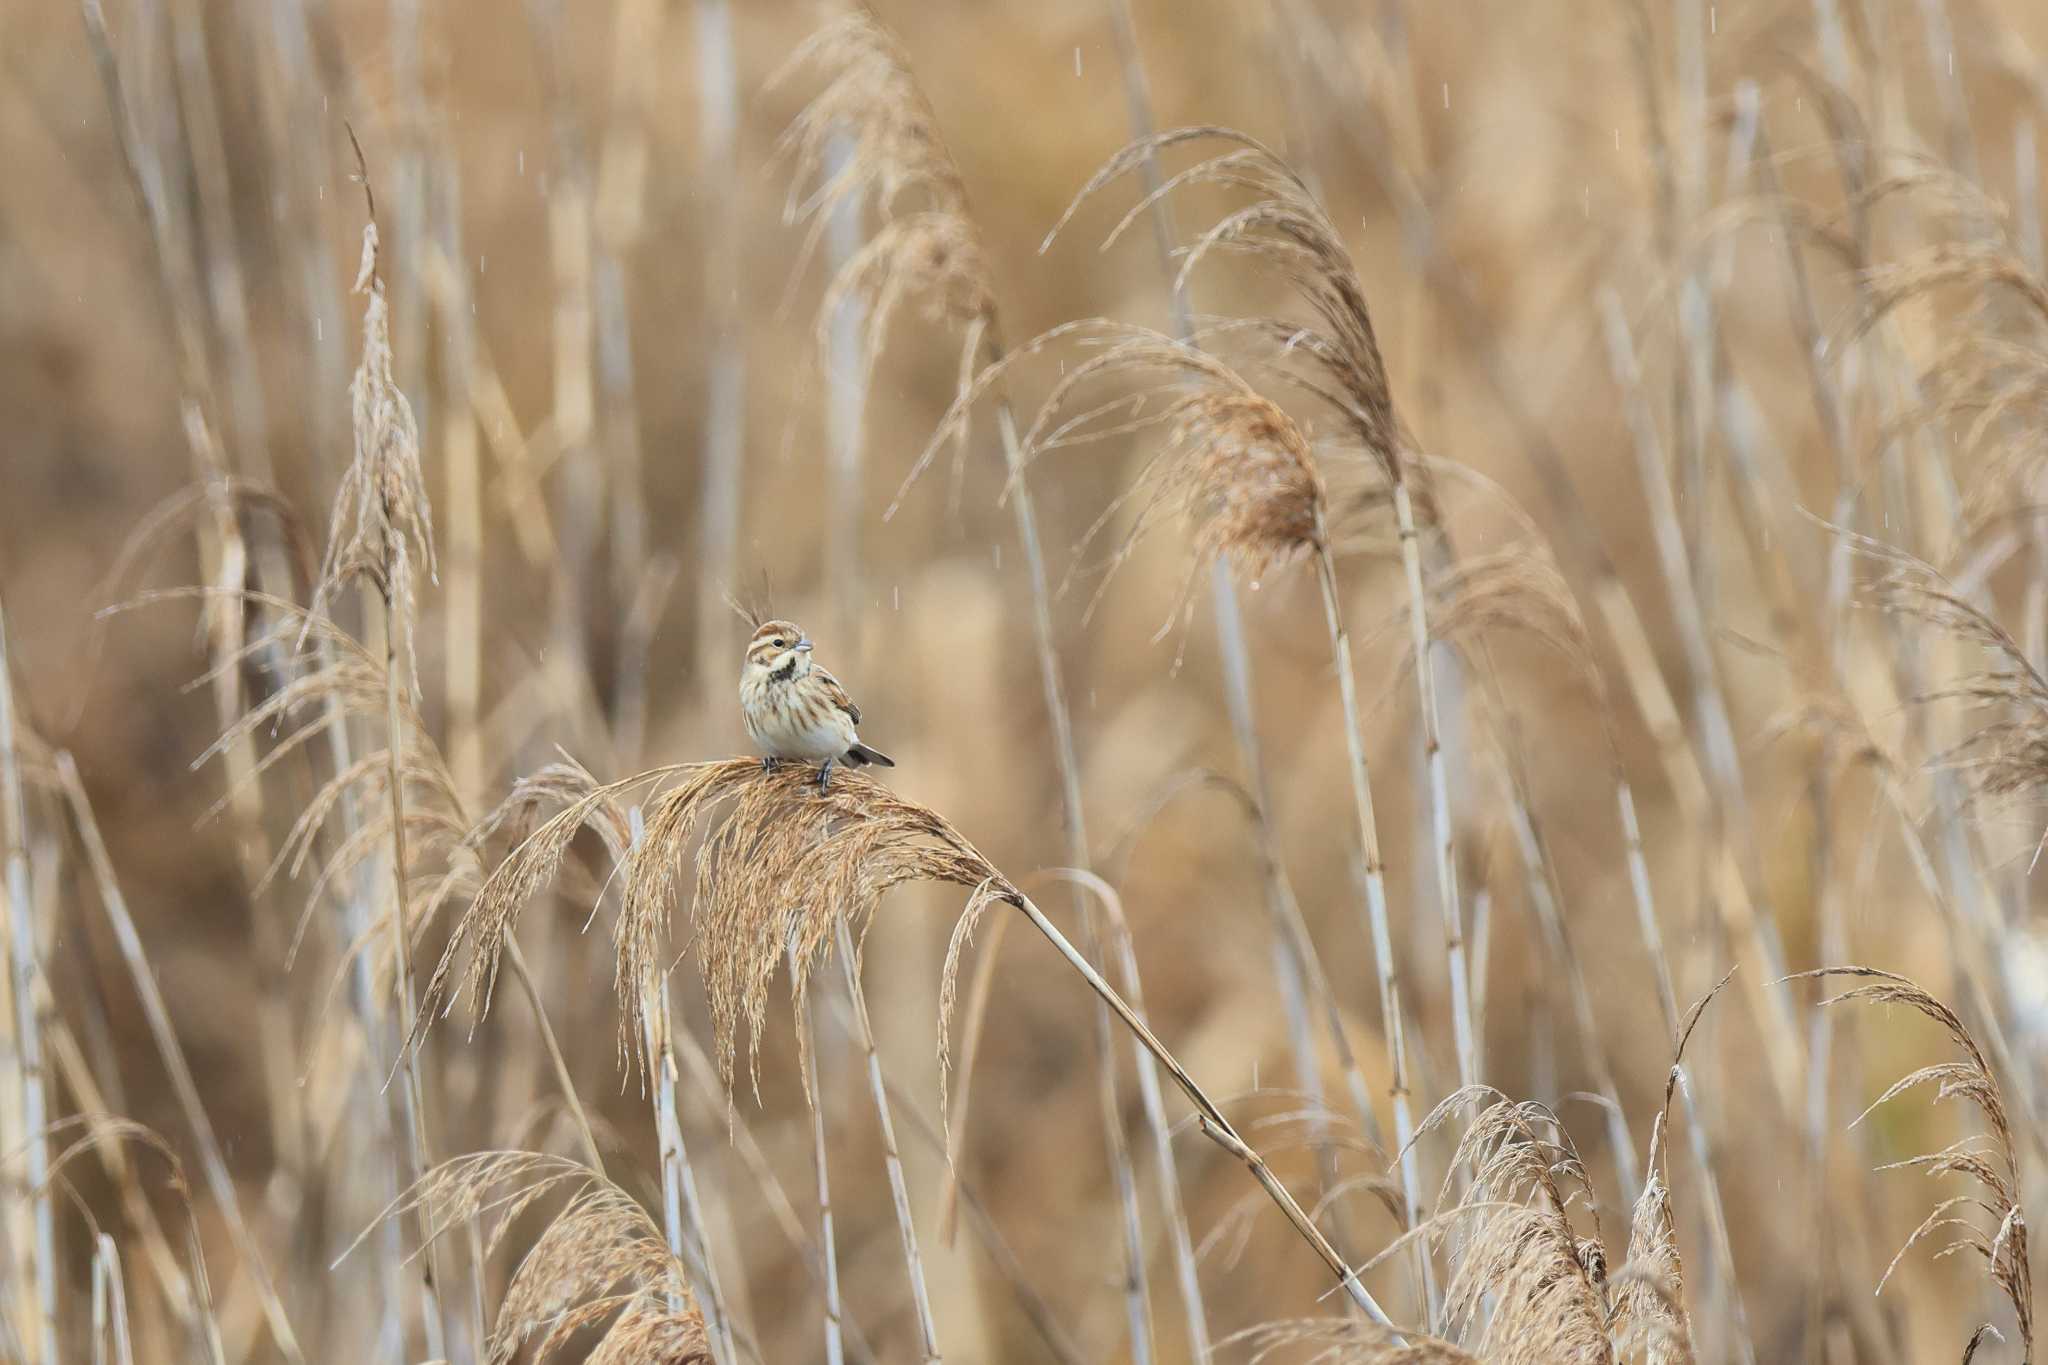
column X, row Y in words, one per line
column 896, row 598
column 522, row 161
column 1447, row 94
column 1255, row 585
column 1077, row 61
column 319, row 330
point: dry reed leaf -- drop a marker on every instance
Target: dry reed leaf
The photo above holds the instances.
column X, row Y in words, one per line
column 1991, row 1161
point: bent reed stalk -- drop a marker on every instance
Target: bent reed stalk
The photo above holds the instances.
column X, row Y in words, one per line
column 779, row 867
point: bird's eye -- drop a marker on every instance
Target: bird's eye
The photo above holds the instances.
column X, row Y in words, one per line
column 780, row 642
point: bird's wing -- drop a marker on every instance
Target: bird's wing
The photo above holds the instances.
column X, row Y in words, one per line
column 837, row 694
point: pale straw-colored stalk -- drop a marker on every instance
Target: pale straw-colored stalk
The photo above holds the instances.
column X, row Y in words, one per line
column 1167, row 1167
column 682, row 1217
column 1745, row 921
column 1374, row 870
column 1208, row 1116
column 413, row 1095
column 899, row 1188
column 36, row 1263
column 835, row 1346
column 156, row 1013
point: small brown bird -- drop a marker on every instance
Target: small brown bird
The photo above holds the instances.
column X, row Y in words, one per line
column 794, row 709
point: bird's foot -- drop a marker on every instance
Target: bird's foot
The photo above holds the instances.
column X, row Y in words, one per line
column 768, row 763
column 825, row 775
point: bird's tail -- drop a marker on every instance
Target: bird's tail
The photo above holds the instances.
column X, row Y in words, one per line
column 861, row 753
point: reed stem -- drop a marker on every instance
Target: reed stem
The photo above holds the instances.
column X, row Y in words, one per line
column 1137, row 1294
column 835, row 1348
column 156, row 1013
column 1444, row 835
column 24, row 971
column 899, row 1189
column 1214, row 1125
column 412, row 1095
column 682, row 1218
column 1376, row 913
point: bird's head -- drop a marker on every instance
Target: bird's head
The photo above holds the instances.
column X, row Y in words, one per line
column 779, row 648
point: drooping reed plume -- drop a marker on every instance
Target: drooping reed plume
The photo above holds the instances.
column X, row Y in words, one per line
column 777, row 865
column 1525, row 1284
column 599, row 1261
column 1989, row 1222
column 870, row 138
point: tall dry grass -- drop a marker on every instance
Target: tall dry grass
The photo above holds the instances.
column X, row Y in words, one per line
column 1401, row 550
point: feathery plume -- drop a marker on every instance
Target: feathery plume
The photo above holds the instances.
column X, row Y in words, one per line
column 1991, row 1159
column 599, row 1255
column 928, row 247
column 382, row 520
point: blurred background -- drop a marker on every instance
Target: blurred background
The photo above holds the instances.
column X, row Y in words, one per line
column 1684, row 282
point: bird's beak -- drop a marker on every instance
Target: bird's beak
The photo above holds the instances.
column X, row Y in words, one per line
column 803, row 646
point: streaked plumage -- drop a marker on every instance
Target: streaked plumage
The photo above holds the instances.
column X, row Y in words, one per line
column 794, row 709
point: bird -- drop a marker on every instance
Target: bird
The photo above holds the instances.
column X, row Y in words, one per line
column 794, row 709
